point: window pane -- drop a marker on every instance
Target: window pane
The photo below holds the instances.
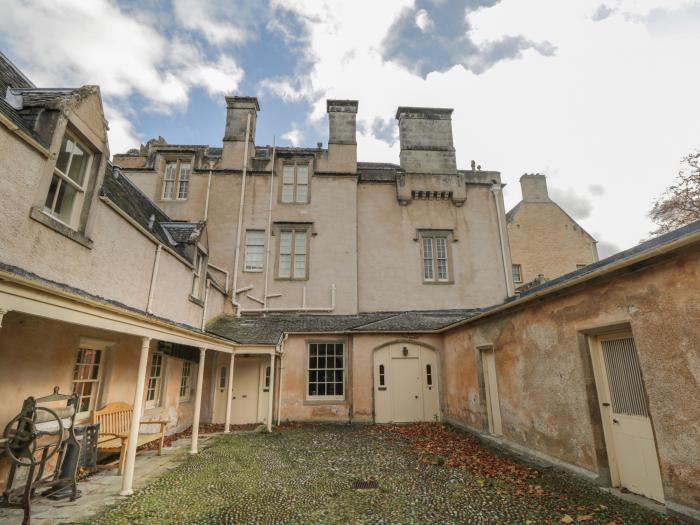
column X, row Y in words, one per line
column 254, row 250
column 285, row 269
column 78, row 164
column 300, row 243
column 288, row 193
column 168, row 189
column 55, row 181
column 302, row 174
column 326, row 371
column 428, row 259
column 288, row 175
column 183, row 188
column 64, row 154
column 300, row 266
column 169, row 180
column 64, row 202
column 286, row 243
column 302, row 193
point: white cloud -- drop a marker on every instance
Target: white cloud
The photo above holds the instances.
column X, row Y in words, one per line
column 294, row 136
column 423, row 20
column 578, row 206
column 601, row 111
column 122, row 135
column 72, row 43
column 216, row 20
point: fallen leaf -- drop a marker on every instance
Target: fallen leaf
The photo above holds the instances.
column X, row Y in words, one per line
column 584, row 517
column 567, row 519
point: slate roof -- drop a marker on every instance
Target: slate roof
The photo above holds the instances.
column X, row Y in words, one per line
column 118, row 188
column 11, row 76
column 268, row 330
column 183, row 231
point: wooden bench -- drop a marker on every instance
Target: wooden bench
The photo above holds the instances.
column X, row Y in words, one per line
column 115, row 421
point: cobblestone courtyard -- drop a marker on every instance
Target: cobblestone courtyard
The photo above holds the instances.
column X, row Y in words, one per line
column 306, row 474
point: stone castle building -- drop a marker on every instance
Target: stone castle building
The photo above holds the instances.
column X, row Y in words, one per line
column 545, row 242
column 249, row 284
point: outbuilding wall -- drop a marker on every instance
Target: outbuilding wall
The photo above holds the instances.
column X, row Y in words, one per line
column 548, row 401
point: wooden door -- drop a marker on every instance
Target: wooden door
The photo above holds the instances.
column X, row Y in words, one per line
column 493, row 403
column 627, row 426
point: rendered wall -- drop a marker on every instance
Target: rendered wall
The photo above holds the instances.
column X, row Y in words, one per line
column 547, row 394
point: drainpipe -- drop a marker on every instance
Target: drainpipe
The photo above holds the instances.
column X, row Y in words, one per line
column 240, row 220
column 269, row 224
column 154, row 276
column 206, row 200
column 496, row 191
column 204, row 306
column 272, row 391
column 279, row 388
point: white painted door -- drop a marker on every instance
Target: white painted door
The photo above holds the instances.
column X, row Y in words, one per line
column 493, row 402
column 405, row 384
column 246, row 390
column 628, row 432
column 221, row 387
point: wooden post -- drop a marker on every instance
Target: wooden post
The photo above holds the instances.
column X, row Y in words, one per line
column 229, row 395
column 197, row 402
column 272, row 392
column 128, row 475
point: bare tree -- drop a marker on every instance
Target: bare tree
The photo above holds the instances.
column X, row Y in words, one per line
column 680, row 202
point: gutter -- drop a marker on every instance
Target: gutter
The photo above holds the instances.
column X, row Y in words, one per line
column 30, row 283
column 24, row 136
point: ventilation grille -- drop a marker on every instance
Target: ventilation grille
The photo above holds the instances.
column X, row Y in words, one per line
column 624, row 377
column 431, row 195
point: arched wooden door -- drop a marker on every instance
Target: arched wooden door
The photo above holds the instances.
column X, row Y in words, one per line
column 405, row 384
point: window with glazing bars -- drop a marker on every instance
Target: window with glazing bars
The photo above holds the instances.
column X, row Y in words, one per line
column 176, row 180
column 86, row 378
column 435, row 258
column 69, row 181
column 292, row 251
column 254, row 250
column 185, row 381
column 154, row 380
column 295, row 183
column 517, row 273
column 326, row 372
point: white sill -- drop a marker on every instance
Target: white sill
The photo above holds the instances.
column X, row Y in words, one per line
column 253, row 271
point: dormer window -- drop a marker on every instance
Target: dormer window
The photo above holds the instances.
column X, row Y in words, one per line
column 295, row 183
column 67, row 189
column 176, row 181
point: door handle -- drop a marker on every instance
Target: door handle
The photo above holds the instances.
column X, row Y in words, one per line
column 616, row 421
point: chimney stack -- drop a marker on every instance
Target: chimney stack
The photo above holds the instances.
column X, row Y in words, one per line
column 534, row 188
column 425, row 136
column 342, row 134
column 237, row 111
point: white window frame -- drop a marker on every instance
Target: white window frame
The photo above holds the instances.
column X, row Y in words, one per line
column 247, row 266
column 199, row 270
column 186, row 380
column 431, row 259
column 517, row 273
column 310, row 373
column 295, row 184
column 294, row 253
column 179, row 188
column 155, row 380
column 95, row 381
column 266, row 378
column 64, row 178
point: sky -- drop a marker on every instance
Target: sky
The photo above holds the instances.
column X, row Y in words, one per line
column 603, row 97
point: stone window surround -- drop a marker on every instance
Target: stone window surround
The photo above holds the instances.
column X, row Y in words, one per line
column 178, row 158
column 326, row 400
column 246, row 269
column 74, row 232
column 295, row 226
column 450, row 238
column 295, row 162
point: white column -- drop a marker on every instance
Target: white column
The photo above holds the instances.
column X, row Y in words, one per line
column 197, row 402
column 229, row 395
column 128, row 474
column 2, row 314
column 272, row 392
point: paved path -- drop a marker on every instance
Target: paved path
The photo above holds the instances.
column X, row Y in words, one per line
column 305, row 475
